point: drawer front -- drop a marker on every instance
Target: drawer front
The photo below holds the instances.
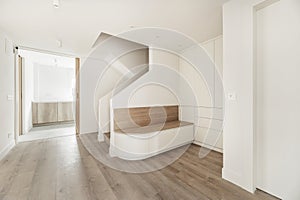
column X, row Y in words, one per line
column 210, row 123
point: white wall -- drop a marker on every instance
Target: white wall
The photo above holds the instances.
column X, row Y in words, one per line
column 6, row 94
column 164, row 57
column 238, row 57
column 53, row 83
column 152, row 89
column 152, row 94
column 158, row 87
column 46, row 78
column 28, row 93
column 278, row 98
column 53, row 76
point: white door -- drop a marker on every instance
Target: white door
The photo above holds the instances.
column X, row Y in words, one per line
column 278, row 99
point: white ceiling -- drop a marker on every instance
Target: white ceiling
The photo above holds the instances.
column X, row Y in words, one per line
column 78, row 23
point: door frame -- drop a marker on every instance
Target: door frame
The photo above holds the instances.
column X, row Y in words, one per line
column 264, row 4
column 77, row 112
column 19, row 61
column 20, row 94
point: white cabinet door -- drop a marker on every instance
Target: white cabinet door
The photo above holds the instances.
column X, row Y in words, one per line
column 219, row 92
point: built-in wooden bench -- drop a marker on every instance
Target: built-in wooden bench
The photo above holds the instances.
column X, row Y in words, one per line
column 155, row 127
column 147, row 119
column 142, row 132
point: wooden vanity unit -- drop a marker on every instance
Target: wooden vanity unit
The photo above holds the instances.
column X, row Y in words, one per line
column 143, row 132
column 52, row 112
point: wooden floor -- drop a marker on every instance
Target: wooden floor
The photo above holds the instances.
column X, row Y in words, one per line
column 63, row 169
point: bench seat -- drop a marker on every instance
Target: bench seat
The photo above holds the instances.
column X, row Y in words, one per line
column 154, row 127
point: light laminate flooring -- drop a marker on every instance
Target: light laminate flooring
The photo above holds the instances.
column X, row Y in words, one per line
column 61, row 169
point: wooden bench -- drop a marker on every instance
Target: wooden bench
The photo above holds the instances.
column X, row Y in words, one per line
column 143, row 132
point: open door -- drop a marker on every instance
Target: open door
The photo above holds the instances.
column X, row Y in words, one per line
column 77, row 71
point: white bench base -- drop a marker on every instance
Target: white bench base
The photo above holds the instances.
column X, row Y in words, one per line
column 141, row 146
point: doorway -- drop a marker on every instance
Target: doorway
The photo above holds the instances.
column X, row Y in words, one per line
column 48, row 102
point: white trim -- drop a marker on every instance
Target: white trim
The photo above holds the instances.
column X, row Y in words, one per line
column 208, row 146
column 46, row 51
column 88, row 133
column 148, row 105
column 264, row 4
column 48, row 134
column 32, row 137
column 234, row 178
column 212, row 39
column 7, row 149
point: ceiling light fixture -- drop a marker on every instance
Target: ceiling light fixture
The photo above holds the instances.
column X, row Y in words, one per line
column 56, row 3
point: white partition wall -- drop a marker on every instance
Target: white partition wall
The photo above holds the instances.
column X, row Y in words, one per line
column 6, row 94
column 278, row 149
column 278, row 98
column 238, row 137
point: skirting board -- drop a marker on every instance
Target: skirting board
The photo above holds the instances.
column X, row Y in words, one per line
column 88, row 133
column 32, row 137
column 236, row 178
column 208, row 146
column 7, row 149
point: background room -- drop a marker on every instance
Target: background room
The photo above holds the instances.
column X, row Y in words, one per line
column 48, row 88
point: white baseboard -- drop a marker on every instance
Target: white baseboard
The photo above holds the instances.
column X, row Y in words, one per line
column 237, row 179
column 6, row 149
column 208, row 146
column 88, row 133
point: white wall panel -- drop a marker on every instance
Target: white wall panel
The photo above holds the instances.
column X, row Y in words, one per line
column 6, row 92
column 278, row 108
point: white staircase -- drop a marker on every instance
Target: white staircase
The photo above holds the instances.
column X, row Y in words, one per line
column 127, row 61
column 104, row 107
